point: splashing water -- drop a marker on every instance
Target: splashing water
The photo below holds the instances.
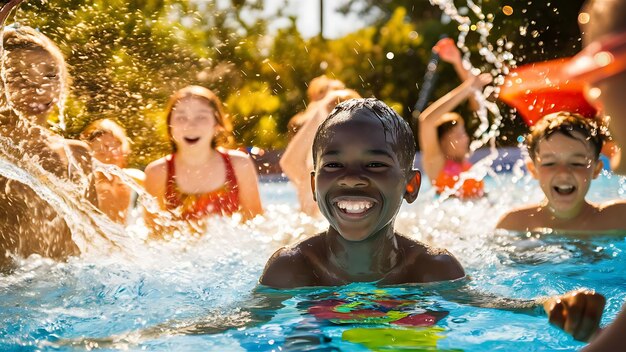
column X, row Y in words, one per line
column 199, row 292
column 501, row 60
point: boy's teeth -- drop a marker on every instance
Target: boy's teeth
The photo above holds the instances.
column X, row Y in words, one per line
column 354, row 206
column 564, row 189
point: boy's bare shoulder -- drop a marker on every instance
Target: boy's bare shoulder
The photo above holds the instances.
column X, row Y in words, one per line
column 291, row 266
column 612, row 214
column 614, row 206
column 518, row 219
column 429, row 264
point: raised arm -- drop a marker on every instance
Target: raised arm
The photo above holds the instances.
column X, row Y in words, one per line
column 434, row 115
column 449, row 52
column 297, row 161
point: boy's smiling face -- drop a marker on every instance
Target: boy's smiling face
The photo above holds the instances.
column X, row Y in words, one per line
column 358, row 181
column 564, row 167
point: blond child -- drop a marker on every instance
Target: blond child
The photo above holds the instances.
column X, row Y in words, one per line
column 317, row 89
column 35, row 79
column 110, row 145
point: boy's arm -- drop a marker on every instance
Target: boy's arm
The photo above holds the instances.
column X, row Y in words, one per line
column 509, row 221
column 577, row 312
column 520, row 219
column 287, row 268
column 296, row 159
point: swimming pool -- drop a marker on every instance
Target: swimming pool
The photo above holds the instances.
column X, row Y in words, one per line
column 201, row 294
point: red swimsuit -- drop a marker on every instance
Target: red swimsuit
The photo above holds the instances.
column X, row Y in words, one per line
column 450, row 175
column 222, row 201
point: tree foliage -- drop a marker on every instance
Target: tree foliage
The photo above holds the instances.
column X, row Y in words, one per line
column 127, row 57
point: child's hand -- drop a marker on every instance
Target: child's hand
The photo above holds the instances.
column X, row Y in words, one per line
column 482, row 80
column 447, row 51
column 577, row 312
column 333, row 98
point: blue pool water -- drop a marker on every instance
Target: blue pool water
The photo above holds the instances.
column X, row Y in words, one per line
column 201, row 294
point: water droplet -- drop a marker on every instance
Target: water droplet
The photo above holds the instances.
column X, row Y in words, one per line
column 583, row 18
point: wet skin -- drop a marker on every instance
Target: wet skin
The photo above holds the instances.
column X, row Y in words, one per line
column 114, row 195
column 33, row 82
column 564, row 167
column 29, row 224
column 359, row 185
column 455, row 143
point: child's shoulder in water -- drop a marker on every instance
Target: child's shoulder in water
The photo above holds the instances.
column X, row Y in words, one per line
column 597, row 219
column 307, row 263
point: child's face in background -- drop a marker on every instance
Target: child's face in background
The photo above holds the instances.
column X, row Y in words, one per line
column 33, row 82
column 359, row 183
column 193, row 123
column 564, row 167
column 108, row 149
column 455, row 143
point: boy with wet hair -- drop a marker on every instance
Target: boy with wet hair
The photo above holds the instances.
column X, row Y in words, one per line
column 362, row 155
column 564, row 151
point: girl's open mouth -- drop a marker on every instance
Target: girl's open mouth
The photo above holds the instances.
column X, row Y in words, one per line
column 189, row 140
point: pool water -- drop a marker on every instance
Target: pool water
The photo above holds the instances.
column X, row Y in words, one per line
column 201, row 293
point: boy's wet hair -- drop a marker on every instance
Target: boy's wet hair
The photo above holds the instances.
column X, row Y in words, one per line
column 396, row 129
column 567, row 123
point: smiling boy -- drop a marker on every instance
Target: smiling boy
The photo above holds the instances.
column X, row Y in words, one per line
column 362, row 156
column 564, row 150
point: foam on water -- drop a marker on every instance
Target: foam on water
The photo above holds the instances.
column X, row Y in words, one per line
column 190, row 290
